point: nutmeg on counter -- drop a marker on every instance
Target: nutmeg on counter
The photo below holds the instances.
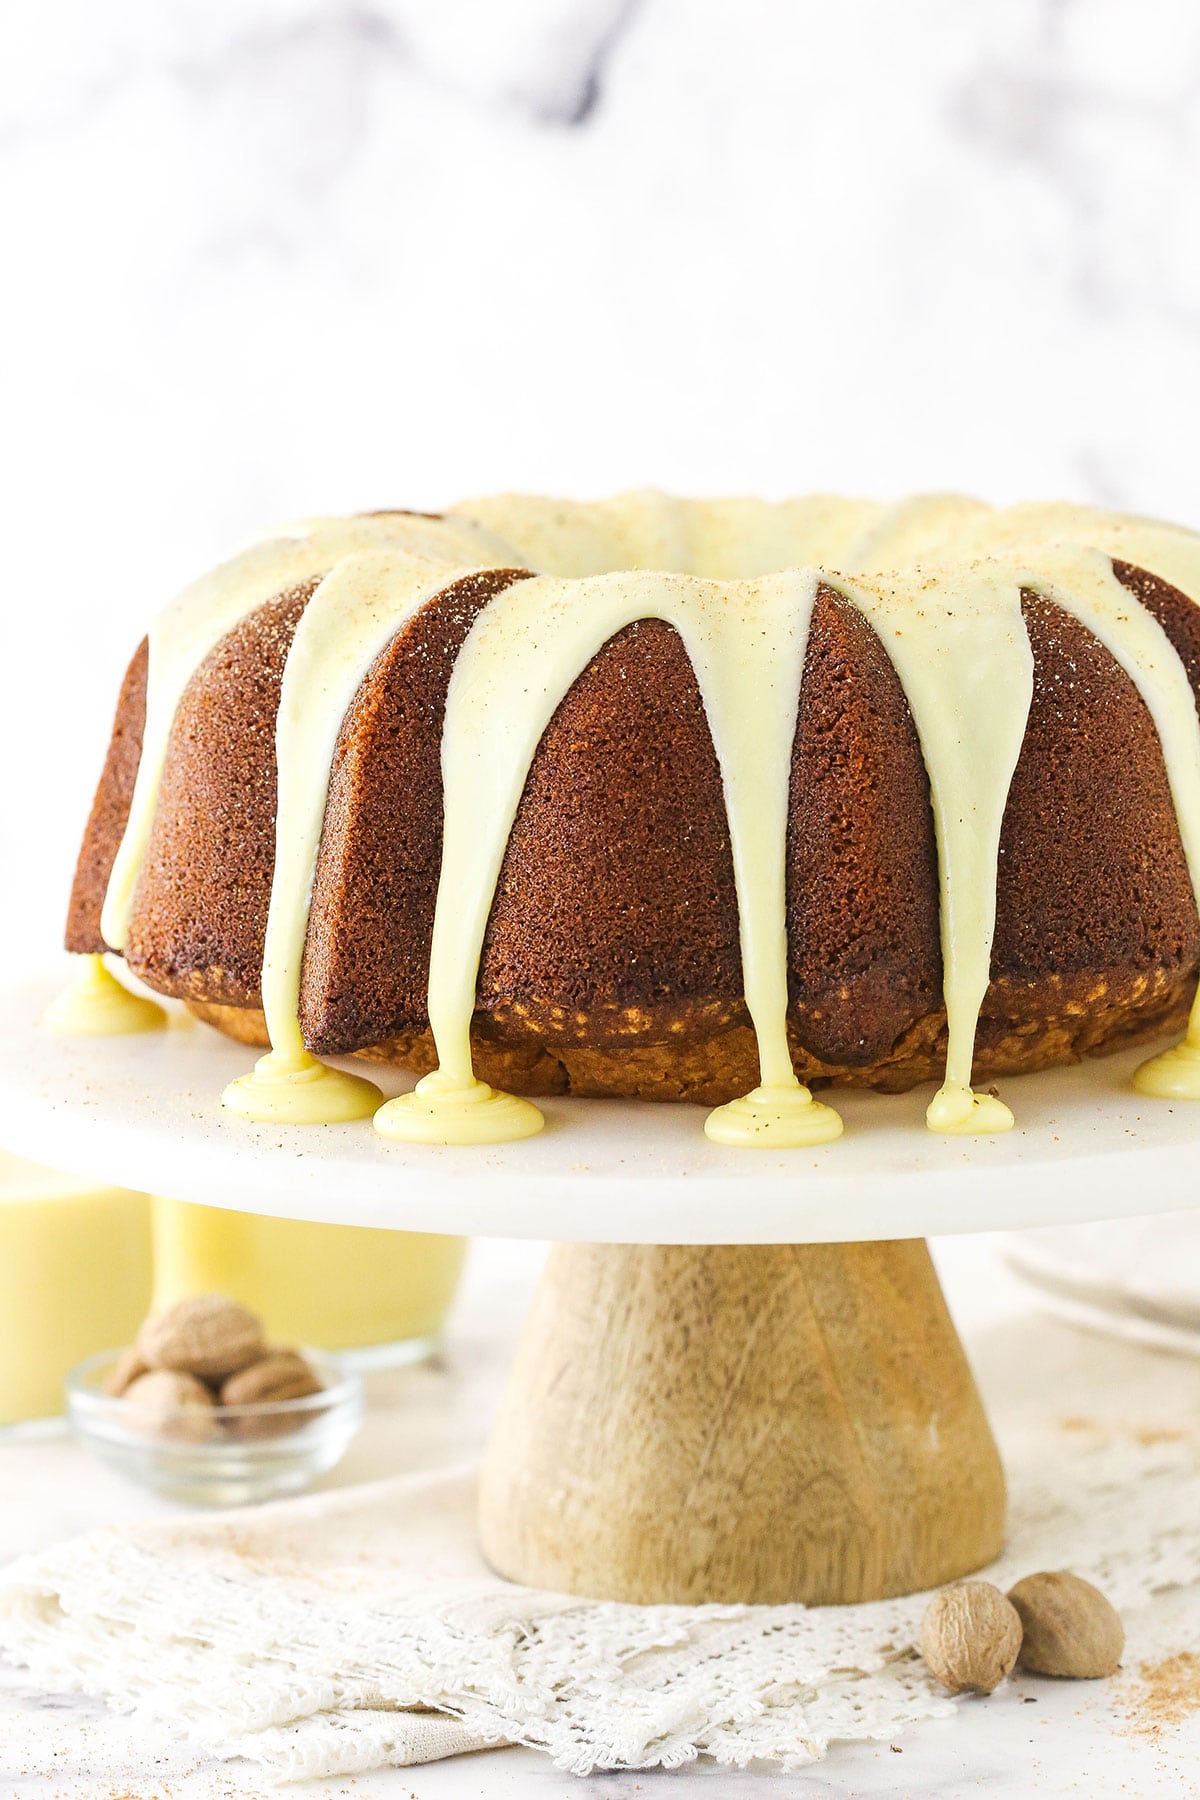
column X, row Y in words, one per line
column 1052, row 1623
column 970, row 1637
column 1068, row 1627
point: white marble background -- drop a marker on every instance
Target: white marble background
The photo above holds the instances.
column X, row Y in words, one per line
column 265, row 257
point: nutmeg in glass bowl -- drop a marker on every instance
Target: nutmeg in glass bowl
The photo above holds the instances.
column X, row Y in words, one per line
column 168, row 1431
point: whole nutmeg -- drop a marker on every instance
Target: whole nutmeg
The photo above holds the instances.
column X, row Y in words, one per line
column 206, row 1335
column 124, row 1372
column 279, row 1375
column 1069, row 1627
column 970, row 1637
column 165, row 1403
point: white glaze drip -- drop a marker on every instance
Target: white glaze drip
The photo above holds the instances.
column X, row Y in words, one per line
column 1173, row 554
column 352, row 617
column 1082, row 582
column 957, row 641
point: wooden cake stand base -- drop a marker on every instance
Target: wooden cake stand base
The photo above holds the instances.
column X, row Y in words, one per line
column 764, row 1424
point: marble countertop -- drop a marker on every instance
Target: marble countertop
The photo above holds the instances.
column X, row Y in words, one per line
column 1033, row 1738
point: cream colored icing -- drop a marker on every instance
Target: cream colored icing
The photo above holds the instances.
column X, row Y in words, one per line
column 94, row 1004
column 950, row 623
column 741, row 540
column 923, row 528
column 957, row 640
column 290, row 1087
column 1174, row 1074
column 724, row 540
column 1082, row 582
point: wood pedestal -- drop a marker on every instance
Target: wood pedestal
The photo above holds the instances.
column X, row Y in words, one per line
column 763, row 1424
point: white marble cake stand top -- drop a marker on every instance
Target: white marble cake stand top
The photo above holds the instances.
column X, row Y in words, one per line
column 144, row 1112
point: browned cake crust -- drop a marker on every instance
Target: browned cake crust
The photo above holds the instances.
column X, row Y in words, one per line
column 611, row 962
column 381, row 846
column 199, row 915
column 110, row 809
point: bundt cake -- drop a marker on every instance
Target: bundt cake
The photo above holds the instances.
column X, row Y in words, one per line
column 688, row 800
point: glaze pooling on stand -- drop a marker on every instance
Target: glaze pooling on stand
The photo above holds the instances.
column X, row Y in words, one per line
column 938, row 578
column 94, row 1004
column 1174, row 1074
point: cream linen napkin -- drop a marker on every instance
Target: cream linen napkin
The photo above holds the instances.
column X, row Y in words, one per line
column 361, row 1628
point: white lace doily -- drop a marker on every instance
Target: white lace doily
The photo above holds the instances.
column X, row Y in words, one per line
column 315, row 1636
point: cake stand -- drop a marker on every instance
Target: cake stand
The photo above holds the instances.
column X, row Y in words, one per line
column 738, row 1380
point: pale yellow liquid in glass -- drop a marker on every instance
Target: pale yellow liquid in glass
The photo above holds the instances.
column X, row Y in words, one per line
column 335, row 1287
column 76, row 1271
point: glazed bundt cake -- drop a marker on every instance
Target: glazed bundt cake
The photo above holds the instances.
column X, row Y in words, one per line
column 688, row 800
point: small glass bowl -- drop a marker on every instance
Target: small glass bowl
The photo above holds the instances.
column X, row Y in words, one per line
column 247, row 1453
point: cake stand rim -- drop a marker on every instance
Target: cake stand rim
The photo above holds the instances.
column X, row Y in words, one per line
column 110, row 1108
